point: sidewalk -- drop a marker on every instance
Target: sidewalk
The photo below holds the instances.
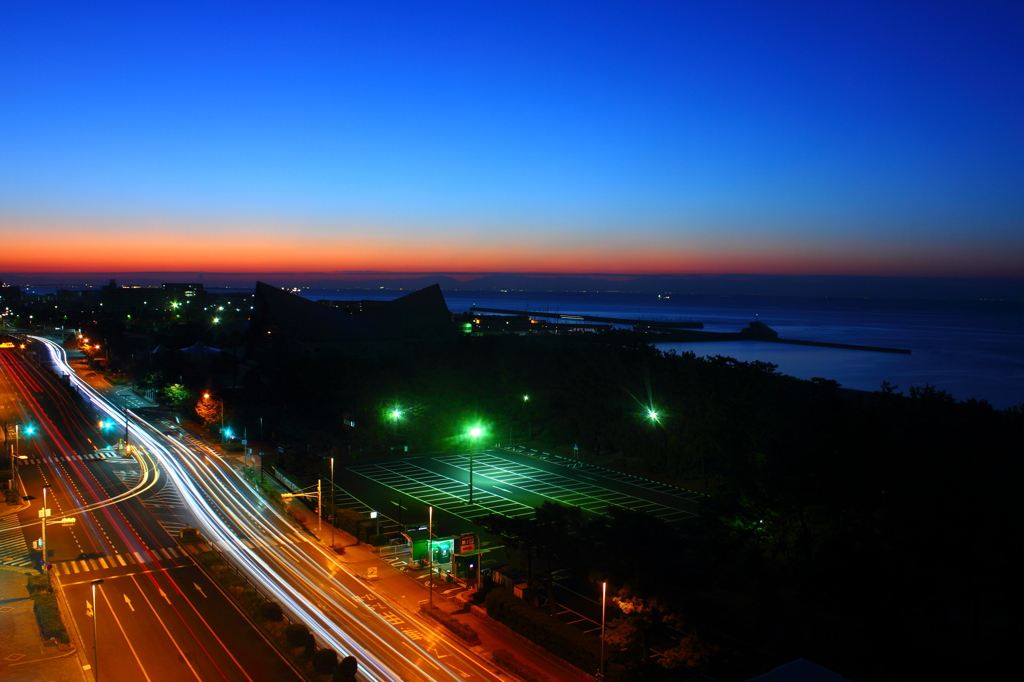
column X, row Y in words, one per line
column 24, row 656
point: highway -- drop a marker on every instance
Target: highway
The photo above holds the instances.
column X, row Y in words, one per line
column 158, row 616
column 311, row 583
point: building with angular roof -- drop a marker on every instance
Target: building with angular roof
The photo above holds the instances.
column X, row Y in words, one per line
column 283, row 319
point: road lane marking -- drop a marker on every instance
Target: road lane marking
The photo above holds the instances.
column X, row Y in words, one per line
column 167, row 631
column 125, row 634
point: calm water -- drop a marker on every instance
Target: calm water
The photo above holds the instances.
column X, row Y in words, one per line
column 972, row 349
column 968, row 348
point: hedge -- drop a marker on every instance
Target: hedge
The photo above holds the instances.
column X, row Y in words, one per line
column 48, row 617
column 452, row 623
column 562, row 640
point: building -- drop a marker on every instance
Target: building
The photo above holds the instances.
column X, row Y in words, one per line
column 284, row 320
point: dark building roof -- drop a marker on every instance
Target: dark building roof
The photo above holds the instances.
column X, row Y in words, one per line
column 280, row 316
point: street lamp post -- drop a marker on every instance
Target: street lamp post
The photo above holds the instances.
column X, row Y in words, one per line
column 125, row 422
column 604, row 592
column 17, row 477
column 474, row 434
column 529, row 425
column 430, row 550
column 332, row 503
column 221, row 401
column 95, row 651
column 43, row 513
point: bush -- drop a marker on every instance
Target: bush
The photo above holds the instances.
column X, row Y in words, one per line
column 270, row 611
column 346, row 670
column 505, row 660
column 325, row 661
column 457, row 627
column 48, row 617
column 296, row 634
column 39, row 583
column 564, row 641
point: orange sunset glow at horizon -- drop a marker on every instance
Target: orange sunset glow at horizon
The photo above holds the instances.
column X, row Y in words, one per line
column 247, row 248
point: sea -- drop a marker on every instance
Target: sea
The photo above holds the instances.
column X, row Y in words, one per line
column 970, row 349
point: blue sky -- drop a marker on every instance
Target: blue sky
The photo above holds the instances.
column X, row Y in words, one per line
column 861, row 138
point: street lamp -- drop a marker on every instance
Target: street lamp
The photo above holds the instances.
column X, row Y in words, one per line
column 16, row 481
column 207, row 396
column 653, row 415
column 44, row 513
column 95, row 651
column 430, row 550
column 474, row 433
column 604, row 592
column 332, row 503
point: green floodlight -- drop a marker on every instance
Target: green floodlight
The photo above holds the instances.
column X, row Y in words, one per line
column 476, row 432
column 653, row 415
column 396, row 414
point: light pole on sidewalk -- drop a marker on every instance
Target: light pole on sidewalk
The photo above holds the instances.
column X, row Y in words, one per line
column 95, row 651
column 604, row 592
column 332, row 503
column 430, row 550
column 221, row 401
column 474, row 433
column 44, row 514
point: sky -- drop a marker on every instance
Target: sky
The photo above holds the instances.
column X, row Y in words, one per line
column 847, row 138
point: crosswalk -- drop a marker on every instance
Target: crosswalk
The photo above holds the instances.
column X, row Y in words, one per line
column 92, row 456
column 164, row 505
column 13, row 548
column 153, row 556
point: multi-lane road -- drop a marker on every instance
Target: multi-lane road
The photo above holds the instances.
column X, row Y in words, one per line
column 158, row 616
column 312, row 584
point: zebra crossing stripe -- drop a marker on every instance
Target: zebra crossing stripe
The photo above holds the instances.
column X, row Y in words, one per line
column 103, row 563
column 128, row 557
column 138, row 557
column 120, row 560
